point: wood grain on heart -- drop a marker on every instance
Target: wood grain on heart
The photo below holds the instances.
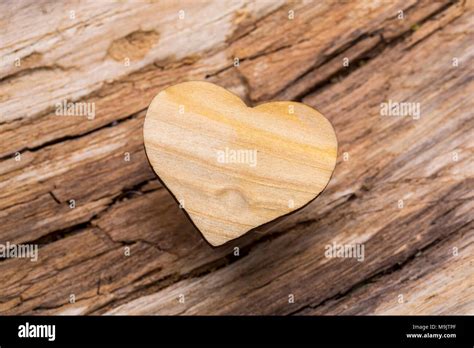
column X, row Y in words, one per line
column 234, row 168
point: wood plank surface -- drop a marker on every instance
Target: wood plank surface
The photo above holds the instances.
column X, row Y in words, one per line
column 113, row 240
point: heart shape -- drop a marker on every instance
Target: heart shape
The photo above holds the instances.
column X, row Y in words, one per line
column 234, row 168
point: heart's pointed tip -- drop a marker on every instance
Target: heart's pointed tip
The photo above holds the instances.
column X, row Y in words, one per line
column 215, row 240
column 215, row 244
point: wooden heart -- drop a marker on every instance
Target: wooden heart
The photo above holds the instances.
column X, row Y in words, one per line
column 233, row 168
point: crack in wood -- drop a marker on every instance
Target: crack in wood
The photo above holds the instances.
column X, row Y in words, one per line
column 73, row 137
column 207, row 268
column 440, row 27
column 363, row 58
column 383, row 272
column 28, row 71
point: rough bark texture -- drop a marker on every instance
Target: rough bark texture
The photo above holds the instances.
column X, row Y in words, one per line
column 402, row 187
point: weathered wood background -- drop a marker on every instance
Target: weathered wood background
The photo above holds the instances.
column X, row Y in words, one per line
column 418, row 258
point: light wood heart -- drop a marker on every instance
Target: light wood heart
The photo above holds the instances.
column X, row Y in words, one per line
column 234, row 168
